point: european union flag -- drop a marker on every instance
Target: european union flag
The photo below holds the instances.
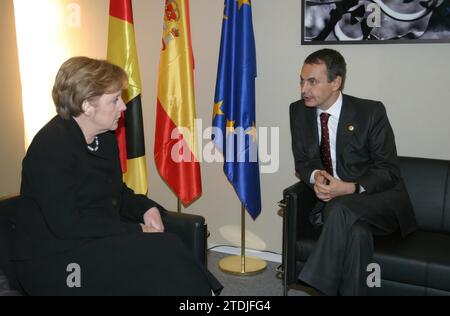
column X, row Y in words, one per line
column 234, row 121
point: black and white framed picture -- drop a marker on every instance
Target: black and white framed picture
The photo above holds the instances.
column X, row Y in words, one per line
column 375, row 21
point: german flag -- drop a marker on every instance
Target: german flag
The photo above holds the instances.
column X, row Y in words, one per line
column 130, row 133
column 175, row 141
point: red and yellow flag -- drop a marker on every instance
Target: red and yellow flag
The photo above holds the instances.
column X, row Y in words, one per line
column 175, row 141
column 130, row 133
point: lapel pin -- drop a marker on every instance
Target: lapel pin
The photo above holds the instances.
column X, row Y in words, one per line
column 351, row 128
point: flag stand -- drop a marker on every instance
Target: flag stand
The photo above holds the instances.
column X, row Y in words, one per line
column 242, row 265
column 179, row 206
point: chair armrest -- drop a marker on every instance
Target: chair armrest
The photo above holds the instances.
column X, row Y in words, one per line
column 5, row 201
column 191, row 229
column 299, row 199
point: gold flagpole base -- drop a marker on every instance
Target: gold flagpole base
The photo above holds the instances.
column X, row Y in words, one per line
column 233, row 265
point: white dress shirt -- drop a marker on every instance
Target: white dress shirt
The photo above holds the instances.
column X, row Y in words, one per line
column 333, row 121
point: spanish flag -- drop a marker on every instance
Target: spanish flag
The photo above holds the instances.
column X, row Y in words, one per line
column 175, row 141
column 130, row 133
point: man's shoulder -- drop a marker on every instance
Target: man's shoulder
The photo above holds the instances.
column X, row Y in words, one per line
column 364, row 109
column 361, row 103
column 299, row 107
column 296, row 104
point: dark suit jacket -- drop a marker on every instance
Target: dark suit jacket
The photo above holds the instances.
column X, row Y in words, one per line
column 366, row 155
column 70, row 195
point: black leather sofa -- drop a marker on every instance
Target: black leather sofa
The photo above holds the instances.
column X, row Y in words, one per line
column 417, row 265
column 191, row 229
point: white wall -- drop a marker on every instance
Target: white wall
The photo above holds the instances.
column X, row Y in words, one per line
column 11, row 118
column 411, row 80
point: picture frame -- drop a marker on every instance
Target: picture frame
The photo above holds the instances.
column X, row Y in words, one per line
column 325, row 22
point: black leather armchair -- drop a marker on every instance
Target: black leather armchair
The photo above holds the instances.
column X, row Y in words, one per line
column 417, row 265
column 191, row 229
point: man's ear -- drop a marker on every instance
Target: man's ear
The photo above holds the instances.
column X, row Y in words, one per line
column 337, row 83
column 87, row 108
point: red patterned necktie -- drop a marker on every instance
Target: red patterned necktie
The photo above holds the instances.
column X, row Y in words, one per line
column 325, row 152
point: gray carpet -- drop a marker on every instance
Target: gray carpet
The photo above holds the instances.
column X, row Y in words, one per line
column 265, row 283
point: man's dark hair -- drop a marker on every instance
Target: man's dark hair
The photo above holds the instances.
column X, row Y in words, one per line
column 334, row 61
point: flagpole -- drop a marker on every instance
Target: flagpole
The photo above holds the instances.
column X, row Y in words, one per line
column 242, row 265
column 179, row 206
column 242, row 238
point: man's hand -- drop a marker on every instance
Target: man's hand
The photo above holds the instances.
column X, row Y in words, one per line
column 152, row 221
column 319, row 177
column 328, row 188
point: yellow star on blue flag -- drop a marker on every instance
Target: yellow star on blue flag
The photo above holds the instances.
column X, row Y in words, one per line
column 242, row 2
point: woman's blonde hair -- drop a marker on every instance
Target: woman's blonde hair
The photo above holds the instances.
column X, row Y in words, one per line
column 83, row 79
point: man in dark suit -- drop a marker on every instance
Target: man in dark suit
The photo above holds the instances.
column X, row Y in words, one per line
column 344, row 149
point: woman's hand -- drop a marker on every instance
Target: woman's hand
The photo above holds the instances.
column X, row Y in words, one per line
column 147, row 229
column 152, row 221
